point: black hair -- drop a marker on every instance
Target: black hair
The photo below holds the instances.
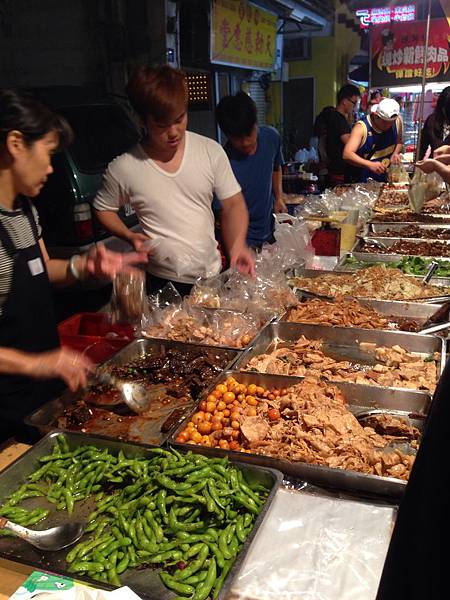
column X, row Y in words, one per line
column 441, row 114
column 347, row 91
column 237, row 115
column 374, row 94
column 20, row 111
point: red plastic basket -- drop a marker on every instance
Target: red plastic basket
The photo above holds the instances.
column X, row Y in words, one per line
column 93, row 335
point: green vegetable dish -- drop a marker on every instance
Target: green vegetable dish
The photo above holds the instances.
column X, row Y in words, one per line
column 410, row 265
column 186, row 513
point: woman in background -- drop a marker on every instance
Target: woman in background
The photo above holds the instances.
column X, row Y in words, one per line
column 436, row 130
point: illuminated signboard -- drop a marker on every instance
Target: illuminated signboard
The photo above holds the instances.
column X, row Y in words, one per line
column 393, row 14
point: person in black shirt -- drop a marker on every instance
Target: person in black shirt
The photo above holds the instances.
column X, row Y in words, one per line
column 332, row 127
column 436, row 131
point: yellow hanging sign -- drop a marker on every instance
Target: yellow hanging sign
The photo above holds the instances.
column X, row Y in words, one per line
column 242, row 35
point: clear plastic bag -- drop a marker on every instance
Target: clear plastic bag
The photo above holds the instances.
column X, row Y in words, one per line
column 397, row 174
column 128, row 297
column 326, row 548
column 424, row 187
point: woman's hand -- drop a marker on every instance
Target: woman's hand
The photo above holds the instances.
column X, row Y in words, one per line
column 427, row 166
column 441, row 150
column 104, row 263
column 396, row 159
column 63, row 363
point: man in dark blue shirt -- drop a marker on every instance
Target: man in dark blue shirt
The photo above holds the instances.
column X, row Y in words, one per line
column 255, row 156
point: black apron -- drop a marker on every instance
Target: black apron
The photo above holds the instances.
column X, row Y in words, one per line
column 27, row 323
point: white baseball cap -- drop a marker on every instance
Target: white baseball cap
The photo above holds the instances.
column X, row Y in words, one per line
column 387, row 109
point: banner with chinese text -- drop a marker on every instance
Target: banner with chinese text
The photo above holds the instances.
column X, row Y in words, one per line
column 242, row 35
column 398, row 53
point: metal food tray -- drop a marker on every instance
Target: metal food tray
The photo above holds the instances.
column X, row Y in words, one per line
column 145, row 582
column 381, row 256
column 267, row 315
column 417, row 311
column 313, row 273
column 146, row 430
column 379, row 228
column 358, row 397
column 341, row 267
column 343, row 341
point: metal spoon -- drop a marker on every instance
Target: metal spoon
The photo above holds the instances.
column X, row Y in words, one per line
column 431, row 269
column 375, row 242
column 133, row 394
column 54, row 538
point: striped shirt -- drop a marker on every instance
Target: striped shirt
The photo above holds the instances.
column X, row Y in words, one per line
column 18, row 226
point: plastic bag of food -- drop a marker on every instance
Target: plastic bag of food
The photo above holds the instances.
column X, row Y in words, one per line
column 424, row 186
column 167, row 297
column 233, row 329
column 397, row 174
column 128, row 297
column 184, row 260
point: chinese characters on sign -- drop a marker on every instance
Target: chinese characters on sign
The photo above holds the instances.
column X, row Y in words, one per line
column 393, row 14
column 242, row 35
column 398, row 53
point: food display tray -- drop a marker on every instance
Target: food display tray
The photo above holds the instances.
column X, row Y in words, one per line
column 267, row 317
column 146, row 430
column 367, row 257
column 145, row 582
column 387, row 258
column 359, row 397
column 343, row 341
column 417, row 311
column 380, row 228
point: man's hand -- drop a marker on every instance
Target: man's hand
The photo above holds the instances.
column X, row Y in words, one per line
column 428, row 165
column 137, row 240
column 396, row 159
column 441, row 150
column 279, row 206
column 72, row 367
column 243, row 259
column 377, row 168
column 103, row 263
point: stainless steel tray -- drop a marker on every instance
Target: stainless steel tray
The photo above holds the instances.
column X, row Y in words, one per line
column 145, row 582
column 267, row 318
column 368, row 257
column 134, row 428
column 379, row 228
column 416, row 311
column 344, row 340
column 358, row 397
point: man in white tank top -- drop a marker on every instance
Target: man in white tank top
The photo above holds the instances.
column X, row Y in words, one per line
column 169, row 179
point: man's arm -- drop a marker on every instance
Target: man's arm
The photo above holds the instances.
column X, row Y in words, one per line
column 353, row 144
column 277, row 188
column 112, row 223
column 234, row 225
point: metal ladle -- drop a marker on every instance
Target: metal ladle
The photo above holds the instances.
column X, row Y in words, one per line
column 54, row 538
column 134, row 395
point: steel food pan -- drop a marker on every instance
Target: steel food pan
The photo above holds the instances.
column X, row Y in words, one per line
column 380, row 228
column 343, row 341
column 145, row 582
column 417, row 311
column 370, row 258
column 267, row 317
column 153, row 429
column 358, row 397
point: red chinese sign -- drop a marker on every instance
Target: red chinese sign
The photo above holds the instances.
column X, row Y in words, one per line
column 242, row 34
column 398, row 53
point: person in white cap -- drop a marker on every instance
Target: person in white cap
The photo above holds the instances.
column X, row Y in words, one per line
column 376, row 141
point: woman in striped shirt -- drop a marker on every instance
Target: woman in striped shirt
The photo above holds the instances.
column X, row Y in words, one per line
column 31, row 361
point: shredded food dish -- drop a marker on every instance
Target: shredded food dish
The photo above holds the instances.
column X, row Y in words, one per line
column 374, row 282
column 390, row 367
column 315, row 426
